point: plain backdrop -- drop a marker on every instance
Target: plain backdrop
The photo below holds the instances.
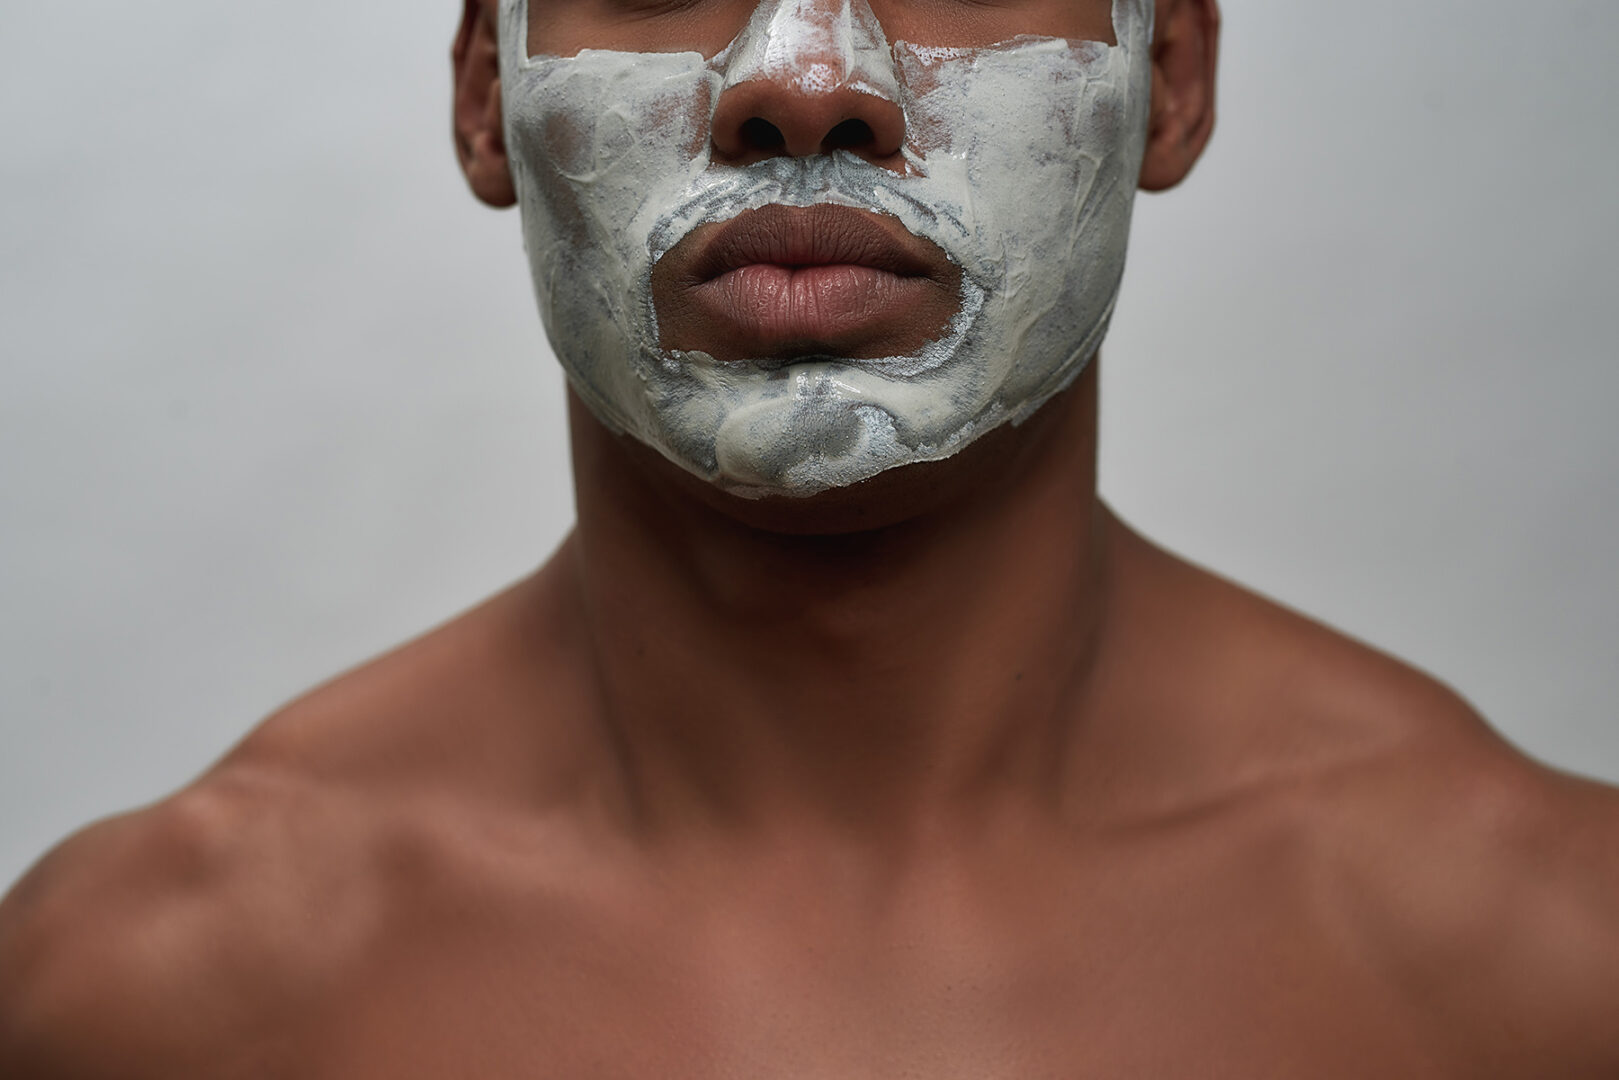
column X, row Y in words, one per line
column 274, row 396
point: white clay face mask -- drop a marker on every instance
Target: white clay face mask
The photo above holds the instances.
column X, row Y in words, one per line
column 1021, row 163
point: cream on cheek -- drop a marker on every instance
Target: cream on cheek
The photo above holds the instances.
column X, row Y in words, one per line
column 1023, row 159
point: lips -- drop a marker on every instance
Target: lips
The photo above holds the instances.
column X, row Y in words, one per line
column 781, row 282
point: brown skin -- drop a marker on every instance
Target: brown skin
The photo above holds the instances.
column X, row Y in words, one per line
column 997, row 789
column 931, row 300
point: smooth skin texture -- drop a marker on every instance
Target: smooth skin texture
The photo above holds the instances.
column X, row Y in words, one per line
column 952, row 775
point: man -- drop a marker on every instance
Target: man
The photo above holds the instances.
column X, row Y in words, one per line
column 848, row 735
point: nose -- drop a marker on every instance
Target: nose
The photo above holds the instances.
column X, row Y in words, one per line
column 810, row 77
column 766, row 118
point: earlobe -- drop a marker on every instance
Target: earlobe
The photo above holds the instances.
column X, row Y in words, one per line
column 480, row 141
column 484, row 161
column 1185, row 55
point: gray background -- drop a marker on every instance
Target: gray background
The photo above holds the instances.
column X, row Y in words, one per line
column 274, row 397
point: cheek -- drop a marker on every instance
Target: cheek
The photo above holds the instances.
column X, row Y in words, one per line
column 566, row 27
column 965, row 24
column 593, row 132
column 568, row 142
column 560, row 143
column 691, row 113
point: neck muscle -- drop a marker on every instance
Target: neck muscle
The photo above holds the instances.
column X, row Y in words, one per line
column 883, row 678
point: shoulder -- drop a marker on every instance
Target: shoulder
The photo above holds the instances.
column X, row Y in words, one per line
column 488, row 708
column 1480, row 884
column 1483, row 884
column 1275, row 695
column 1486, row 887
column 206, row 929
column 172, row 940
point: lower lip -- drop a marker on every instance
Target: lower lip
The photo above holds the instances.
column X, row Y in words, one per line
column 826, row 306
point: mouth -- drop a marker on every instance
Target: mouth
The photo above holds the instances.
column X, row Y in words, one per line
column 783, row 282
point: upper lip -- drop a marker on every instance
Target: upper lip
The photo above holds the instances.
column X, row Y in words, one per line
column 813, row 236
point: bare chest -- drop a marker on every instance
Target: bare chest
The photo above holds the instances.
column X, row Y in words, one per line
column 1098, row 996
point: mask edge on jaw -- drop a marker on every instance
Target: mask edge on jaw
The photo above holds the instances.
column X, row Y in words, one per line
column 822, row 424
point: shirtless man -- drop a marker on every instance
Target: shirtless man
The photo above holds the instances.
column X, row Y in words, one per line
column 848, row 735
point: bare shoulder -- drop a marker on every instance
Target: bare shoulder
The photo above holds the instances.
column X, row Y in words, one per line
column 1293, row 696
column 1481, row 884
column 168, row 941
column 209, row 928
column 1487, row 886
column 490, row 704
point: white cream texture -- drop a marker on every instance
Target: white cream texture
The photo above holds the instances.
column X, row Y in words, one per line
column 1022, row 157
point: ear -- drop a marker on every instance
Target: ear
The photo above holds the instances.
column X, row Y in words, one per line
column 480, row 138
column 1185, row 57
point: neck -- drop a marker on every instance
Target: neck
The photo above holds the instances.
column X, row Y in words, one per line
column 892, row 677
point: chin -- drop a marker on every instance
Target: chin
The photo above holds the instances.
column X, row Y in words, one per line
column 980, row 472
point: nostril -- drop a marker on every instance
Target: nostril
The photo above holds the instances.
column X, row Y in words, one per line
column 765, row 118
column 848, row 135
column 760, row 134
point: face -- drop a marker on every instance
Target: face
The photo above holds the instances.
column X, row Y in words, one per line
column 794, row 244
column 565, row 27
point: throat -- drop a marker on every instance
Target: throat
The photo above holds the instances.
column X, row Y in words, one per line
column 873, row 679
